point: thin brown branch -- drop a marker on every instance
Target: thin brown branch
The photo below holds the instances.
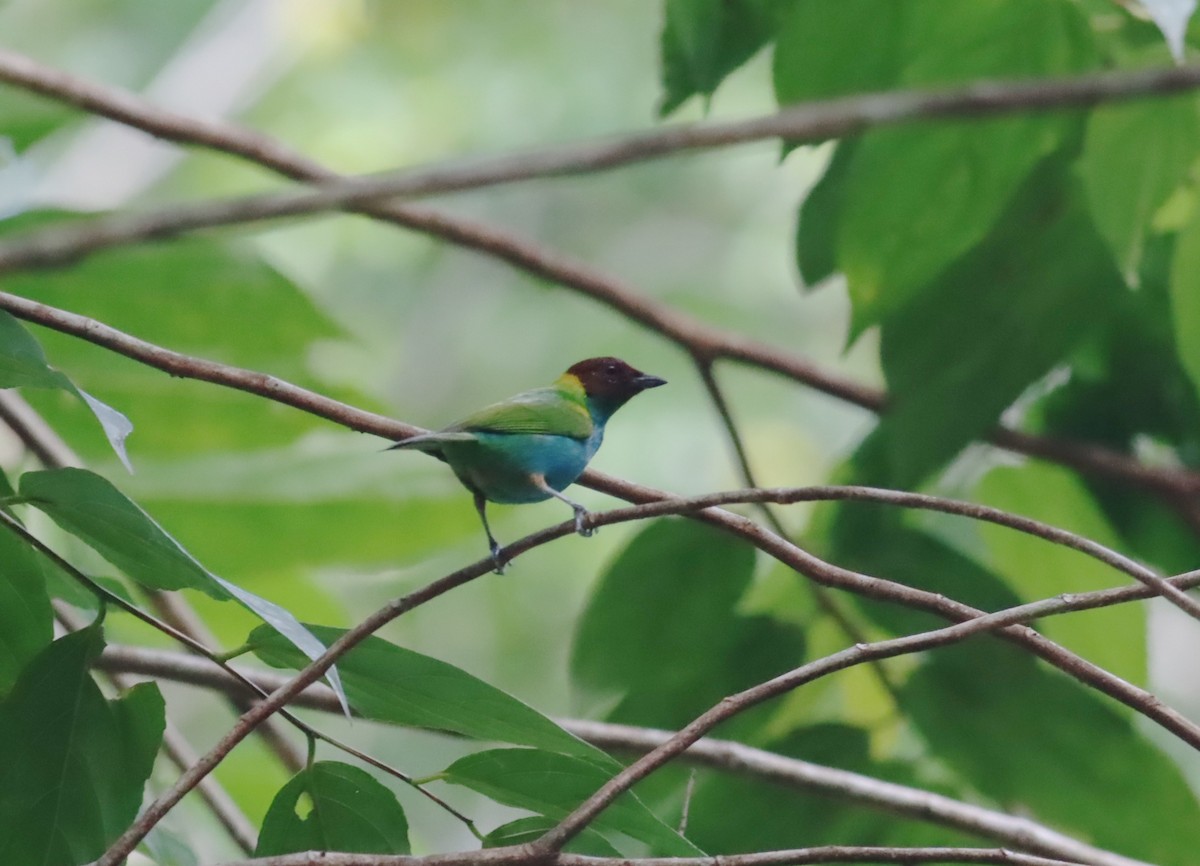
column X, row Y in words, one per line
column 796, row 857
column 697, row 338
column 824, row 599
column 1007, row 623
column 805, row 563
column 804, row 122
column 725, row 755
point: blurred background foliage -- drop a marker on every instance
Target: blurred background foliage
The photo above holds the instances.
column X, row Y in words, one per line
column 1033, row 268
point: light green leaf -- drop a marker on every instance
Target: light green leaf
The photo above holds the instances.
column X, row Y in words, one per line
column 1112, row 637
column 344, row 809
column 23, row 363
column 72, row 764
column 90, row 508
column 1134, row 155
column 553, row 784
column 529, row 829
column 389, row 683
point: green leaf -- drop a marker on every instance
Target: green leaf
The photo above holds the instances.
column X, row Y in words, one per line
column 705, row 40
column 72, row 764
column 23, row 363
column 946, row 183
column 1008, row 725
column 332, row 806
column 529, row 829
column 828, row 48
column 816, row 230
column 992, row 324
column 389, row 683
column 1134, row 155
column 1185, row 298
column 263, row 322
column 552, row 785
column 26, row 620
column 90, row 508
column 1112, row 637
column 661, row 640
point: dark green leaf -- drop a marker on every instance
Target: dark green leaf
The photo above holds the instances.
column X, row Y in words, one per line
column 705, row 40
column 72, row 764
column 90, row 508
column 992, row 324
column 816, row 230
column 1008, row 726
column 524, row 830
column 661, row 640
column 389, row 683
column 332, row 806
column 1185, row 298
column 26, row 620
column 552, row 785
column 1134, row 156
column 916, row 198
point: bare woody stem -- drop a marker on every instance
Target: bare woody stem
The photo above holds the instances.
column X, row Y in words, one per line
column 523, row 856
column 700, row 340
column 813, row 121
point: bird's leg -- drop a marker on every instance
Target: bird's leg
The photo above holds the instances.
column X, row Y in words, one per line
column 580, row 512
column 493, row 545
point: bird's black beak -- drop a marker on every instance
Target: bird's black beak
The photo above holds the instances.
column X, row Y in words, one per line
column 643, row 381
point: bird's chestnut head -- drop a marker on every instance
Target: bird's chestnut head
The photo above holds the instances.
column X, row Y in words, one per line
column 609, row 382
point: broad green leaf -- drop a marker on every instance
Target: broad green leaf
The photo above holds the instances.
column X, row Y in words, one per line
column 1112, row 637
column 705, row 40
column 264, row 322
column 553, row 784
column 1134, row 155
column 828, row 48
column 1009, row 727
column 733, row 813
column 389, row 683
column 90, row 508
column 26, row 620
column 524, row 830
column 331, row 806
column 916, row 198
column 23, row 363
column 1185, row 298
column 956, row 357
column 816, row 230
column 661, row 640
column 72, row 764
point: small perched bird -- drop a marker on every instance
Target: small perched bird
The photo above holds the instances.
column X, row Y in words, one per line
column 531, row 446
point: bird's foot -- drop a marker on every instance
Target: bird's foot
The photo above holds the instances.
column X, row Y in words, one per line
column 581, row 515
column 498, row 560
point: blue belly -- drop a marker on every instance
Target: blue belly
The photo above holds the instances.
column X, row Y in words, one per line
column 499, row 465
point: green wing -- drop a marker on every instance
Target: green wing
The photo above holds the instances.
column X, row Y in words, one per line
column 544, row 410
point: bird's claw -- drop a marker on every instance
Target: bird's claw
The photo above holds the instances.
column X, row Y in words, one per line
column 581, row 527
column 498, row 560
